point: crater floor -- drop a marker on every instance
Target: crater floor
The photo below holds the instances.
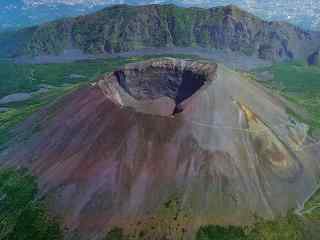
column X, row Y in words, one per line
column 158, row 87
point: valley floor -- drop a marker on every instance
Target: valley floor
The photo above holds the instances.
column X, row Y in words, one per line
column 231, row 59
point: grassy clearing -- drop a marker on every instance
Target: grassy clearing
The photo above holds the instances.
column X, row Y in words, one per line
column 300, row 84
column 296, row 77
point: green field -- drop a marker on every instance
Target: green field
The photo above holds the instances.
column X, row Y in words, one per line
column 300, row 84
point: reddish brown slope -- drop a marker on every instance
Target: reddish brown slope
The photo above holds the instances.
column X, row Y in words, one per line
column 217, row 154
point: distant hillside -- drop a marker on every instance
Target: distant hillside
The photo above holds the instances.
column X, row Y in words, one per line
column 15, row 43
column 23, row 13
column 124, row 28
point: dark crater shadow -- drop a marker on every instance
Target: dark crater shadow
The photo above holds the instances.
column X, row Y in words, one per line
column 151, row 82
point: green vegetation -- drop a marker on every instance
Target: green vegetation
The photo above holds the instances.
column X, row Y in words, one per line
column 125, row 28
column 312, row 207
column 19, row 111
column 22, row 216
column 299, row 83
column 54, row 34
column 221, row 233
column 26, row 77
column 296, row 77
column 179, row 20
column 291, row 227
column 115, row 234
column 17, row 78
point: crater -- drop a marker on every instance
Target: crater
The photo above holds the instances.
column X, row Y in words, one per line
column 159, row 87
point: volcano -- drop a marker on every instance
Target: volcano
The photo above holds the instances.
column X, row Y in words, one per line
column 165, row 146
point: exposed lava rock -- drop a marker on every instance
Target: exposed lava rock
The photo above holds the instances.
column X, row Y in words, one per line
column 158, row 87
column 230, row 153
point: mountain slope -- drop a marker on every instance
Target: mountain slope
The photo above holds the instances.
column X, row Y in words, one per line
column 124, row 28
column 23, row 13
column 165, row 146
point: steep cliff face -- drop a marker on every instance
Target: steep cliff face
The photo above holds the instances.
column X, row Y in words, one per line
column 164, row 146
column 124, row 28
